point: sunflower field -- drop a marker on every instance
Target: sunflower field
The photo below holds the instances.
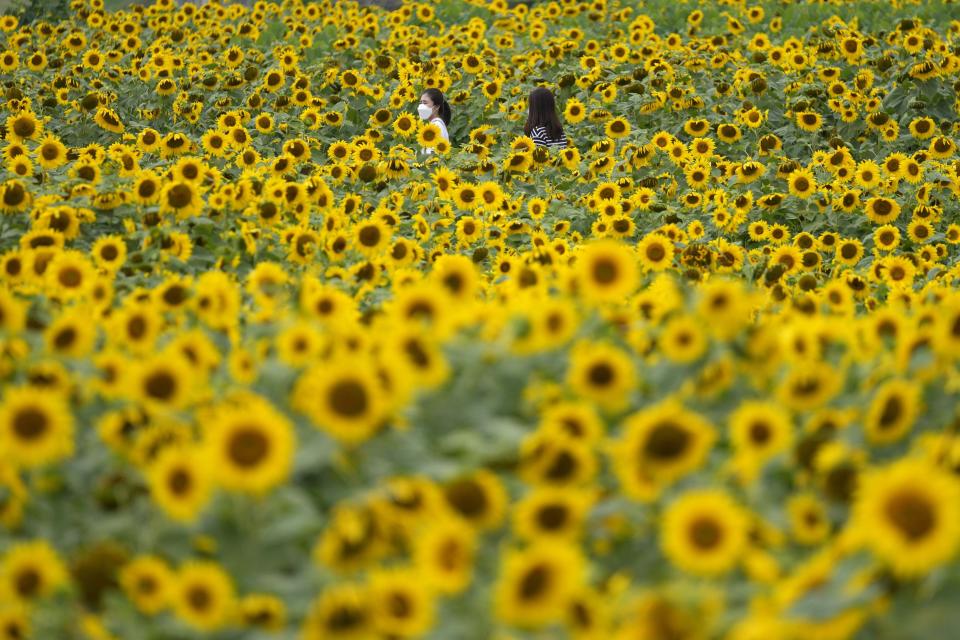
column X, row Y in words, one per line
column 270, row 370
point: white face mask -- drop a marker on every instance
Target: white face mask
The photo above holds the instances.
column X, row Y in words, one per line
column 424, row 111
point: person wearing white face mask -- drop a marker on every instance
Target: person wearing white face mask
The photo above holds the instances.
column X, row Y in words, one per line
column 435, row 109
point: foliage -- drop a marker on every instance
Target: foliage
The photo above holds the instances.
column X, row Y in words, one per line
column 270, row 369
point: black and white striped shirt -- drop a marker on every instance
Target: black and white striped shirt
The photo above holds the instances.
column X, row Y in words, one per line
column 542, row 139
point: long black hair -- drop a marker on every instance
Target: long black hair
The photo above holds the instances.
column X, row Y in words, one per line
column 542, row 112
column 436, row 97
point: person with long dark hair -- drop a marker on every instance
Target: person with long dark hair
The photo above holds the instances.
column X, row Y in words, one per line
column 435, row 109
column 543, row 121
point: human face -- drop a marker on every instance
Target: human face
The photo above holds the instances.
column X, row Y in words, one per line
column 426, row 101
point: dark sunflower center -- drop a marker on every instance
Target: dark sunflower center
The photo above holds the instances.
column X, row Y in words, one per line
column 147, row 585
column 180, row 482
column 28, row 583
column 656, row 252
column 24, row 127
column 30, row 424
column 468, row 498
column 552, row 517
column 199, row 598
column 70, row 277
column 369, row 236
column 65, row 338
column 605, row 271
column 912, row 514
column 13, row 195
column 666, row 441
column 760, row 433
column 892, row 410
column 705, row 534
column 534, row 583
column 348, row 398
column 146, row 188
column 346, row 617
column 179, row 196
column 160, row 386
column 601, row 374
column 248, row 447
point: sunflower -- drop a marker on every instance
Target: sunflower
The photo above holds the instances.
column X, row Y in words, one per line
column 250, row 446
column 108, row 120
column 809, row 120
column 606, row 271
column 15, row 622
column 908, row 514
column 729, row 133
column 165, row 87
column 920, row 231
column 162, row 382
column 683, row 340
column 405, row 125
column 892, row 412
column 886, row 237
column 551, row 512
column 203, row 596
column 574, row 111
column 535, row 584
column 759, row 431
column 344, row 400
column 946, row 332
column 174, row 144
column 341, row 612
column 401, row 603
column 480, row 499
column 941, row 147
column 617, row 128
column 704, row 532
column 69, row 275
column 51, row 153
column 36, row 427
column 882, row 210
column 188, row 169
column 23, row 126
column 14, row 196
column 352, row 540
column 724, row 306
column 922, row 128
column 868, row 174
column 149, row 140
column 371, row 237
column 809, row 386
column 601, row 373
column 897, row 271
column 180, row 198
column 180, row 483
column 428, row 136
column 849, row 251
column 466, row 197
column 149, row 582
column 445, row 181
column 30, row 571
column 655, row 252
column 444, row 554
column 13, row 313
column 660, row 445
column 263, row 611
column 801, row 183
column 809, row 522
column 215, row 143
